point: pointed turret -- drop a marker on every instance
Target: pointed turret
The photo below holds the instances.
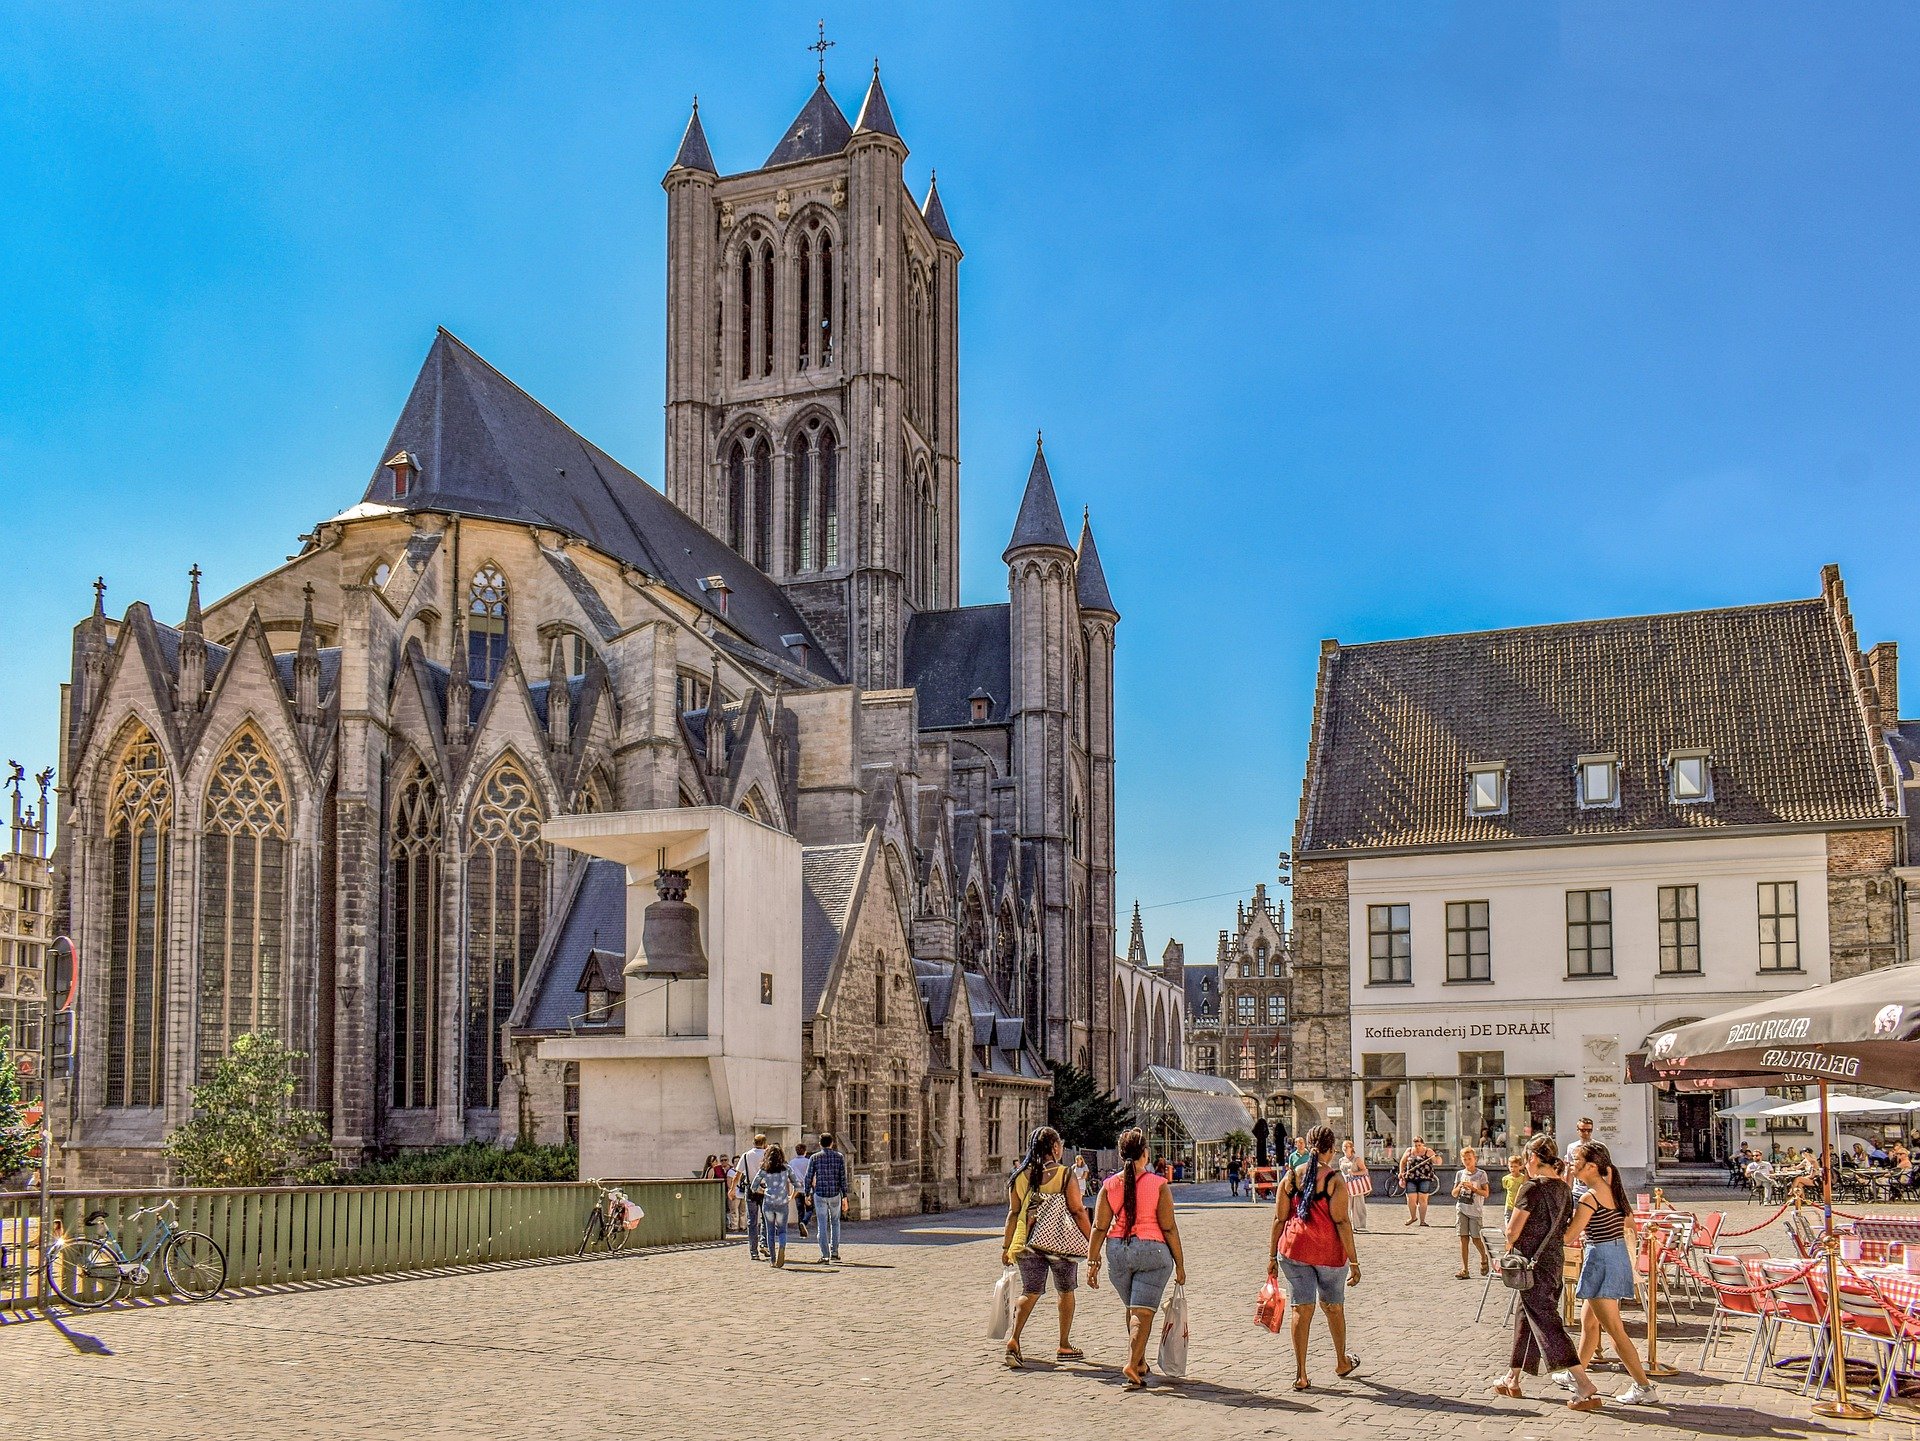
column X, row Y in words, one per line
column 93, row 649
column 693, row 153
column 190, row 686
column 306, row 667
column 934, row 213
column 459, row 686
column 1137, row 941
column 875, row 116
column 819, row 129
column 559, row 697
column 716, row 732
column 1090, row 580
column 1039, row 522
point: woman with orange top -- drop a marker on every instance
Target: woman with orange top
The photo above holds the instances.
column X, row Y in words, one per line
column 1134, row 1225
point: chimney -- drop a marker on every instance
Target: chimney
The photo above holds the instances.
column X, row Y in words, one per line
column 979, row 706
column 1173, row 963
column 404, row 468
column 1883, row 663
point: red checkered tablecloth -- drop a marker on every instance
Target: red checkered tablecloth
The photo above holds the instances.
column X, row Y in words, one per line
column 1905, row 1229
column 1898, row 1288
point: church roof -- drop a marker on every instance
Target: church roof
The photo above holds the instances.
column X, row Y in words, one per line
column 487, row 448
column 950, row 655
column 819, row 129
column 828, row 875
column 693, row 153
column 1089, row 579
column 875, row 117
column 595, row 919
column 1039, row 521
column 935, row 214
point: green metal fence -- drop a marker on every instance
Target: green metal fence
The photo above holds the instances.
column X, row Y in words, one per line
column 284, row 1234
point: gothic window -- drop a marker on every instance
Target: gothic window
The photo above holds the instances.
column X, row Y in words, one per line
column 829, row 499
column 1003, row 959
column 506, row 905
column 762, row 502
column 243, row 899
column 800, row 504
column 746, row 312
column 139, row 833
column 825, row 292
column 486, row 622
column 803, row 280
column 737, row 497
column 690, row 691
column 973, row 932
column 414, row 965
column 766, row 309
column 813, row 524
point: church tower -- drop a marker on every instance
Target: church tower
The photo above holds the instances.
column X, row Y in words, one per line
column 812, row 374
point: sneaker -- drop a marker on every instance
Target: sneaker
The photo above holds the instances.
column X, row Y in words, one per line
column 1638, row 1395
column 1563, row 1379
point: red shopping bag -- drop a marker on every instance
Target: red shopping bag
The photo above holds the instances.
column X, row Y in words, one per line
column 1272, row 1310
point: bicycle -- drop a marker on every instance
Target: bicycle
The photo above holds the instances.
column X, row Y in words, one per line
column 607, row 1221
column 88, row 1273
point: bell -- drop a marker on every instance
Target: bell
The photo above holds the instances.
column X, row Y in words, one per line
column 670, row 933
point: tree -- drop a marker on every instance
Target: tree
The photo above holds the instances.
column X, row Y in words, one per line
column 245, row 1130
column 19, row 1145
column 1083, row 1114
column 1238, row 1143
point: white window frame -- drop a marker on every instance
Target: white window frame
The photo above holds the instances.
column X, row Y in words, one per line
column 1611, row 800
column 1673, row 778
column 1498, row 770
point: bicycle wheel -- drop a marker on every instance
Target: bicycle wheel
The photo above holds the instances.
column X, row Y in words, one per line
column 84, row 1274
column 616, row 1236
column 595, row 1230
column 195, row 1265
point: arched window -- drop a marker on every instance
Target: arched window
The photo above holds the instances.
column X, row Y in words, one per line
column 825, row 292
column 506, row 906
column 243, row 899
column 737, row 497
column 766, row 309
column 829, row 498
column 800, row 502
column 803, row 281
column 139, row 842
column 762, row 502
column 746, row 311
column 812, row 502
column 419, row 823
column 486, row 622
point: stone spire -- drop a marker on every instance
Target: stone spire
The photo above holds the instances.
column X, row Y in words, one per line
column 190, row 685
column 934, row 213
column 459, row 685
column 875, row 117
column 716, row 732
column 1090, row 579
column 693, row 153
column 306, row 667
column 93, row 649
column 1039, row 522
column 1137, row 941
column 559, row 697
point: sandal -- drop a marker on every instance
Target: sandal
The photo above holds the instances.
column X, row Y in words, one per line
column 1014, row 1359
column 1461, row 1275
column 1134, row 1383
column 1353, row 1364
column 1501, row 1388
column 1303, row 1384
column 1586, row 1403
column 1069, row 1353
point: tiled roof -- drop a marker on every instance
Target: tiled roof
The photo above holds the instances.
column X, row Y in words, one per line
column 1768, row 691
column 819, row 129
column 487, row 448
column 595, row 919
column 1202, row 1000
column 828, row 875
column 951, row 654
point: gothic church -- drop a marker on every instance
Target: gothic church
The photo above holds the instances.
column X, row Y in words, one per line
column 314, row 806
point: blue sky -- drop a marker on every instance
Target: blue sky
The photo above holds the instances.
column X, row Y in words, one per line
column 1347, row 320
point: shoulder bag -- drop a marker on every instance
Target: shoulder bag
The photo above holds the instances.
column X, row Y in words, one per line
column 1516, row 1270
column 1051, row 1227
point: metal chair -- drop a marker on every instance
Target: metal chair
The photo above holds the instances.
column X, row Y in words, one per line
column 1734, row 1296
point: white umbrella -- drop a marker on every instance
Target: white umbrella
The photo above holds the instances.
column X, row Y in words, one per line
column 1749, row 1110
column 1839, row 1104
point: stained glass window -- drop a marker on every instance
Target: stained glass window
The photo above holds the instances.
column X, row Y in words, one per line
column 243, row 899
column 506, row 905
column 486, row 623
column 139, row 836
column 419, row 822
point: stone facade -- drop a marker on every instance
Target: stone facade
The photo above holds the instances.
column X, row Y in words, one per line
column 1149, row 1009
column 1321, row 1021
column 1863, row 900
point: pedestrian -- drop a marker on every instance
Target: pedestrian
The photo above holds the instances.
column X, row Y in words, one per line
column 1040, row 1174
column 776, row 1193
column 1312, row 1243
column 1585, row 1128
column 1418, row 1169
column 706, row 1169
column 750, row 1190
column 1359, row 1185
column 1082, row 1175
column 1470, row 1191
column 1600, row 1211
column 1510, row 1183
column 1233, row 1177
column 827, row 1185
column 800, row 1163
column 735, row 1176
column 1134, row 1225
column 1536, row 1235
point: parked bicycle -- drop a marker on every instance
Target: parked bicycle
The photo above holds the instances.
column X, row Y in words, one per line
column 612, row 1216
column 88, row 1272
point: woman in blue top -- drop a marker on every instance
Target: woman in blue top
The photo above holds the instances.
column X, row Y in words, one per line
column 778, row 1181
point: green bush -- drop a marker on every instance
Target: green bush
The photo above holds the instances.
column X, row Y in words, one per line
column 472, row 1161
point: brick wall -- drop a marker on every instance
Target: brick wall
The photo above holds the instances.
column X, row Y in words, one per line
column 1863, row 901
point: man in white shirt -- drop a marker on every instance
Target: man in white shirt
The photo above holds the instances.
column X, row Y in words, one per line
column 750, row 1188
column 799, row 1163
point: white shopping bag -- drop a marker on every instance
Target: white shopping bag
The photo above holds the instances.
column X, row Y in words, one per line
column 631, row 1216
column 1173, row 1333
column 1006, row 1292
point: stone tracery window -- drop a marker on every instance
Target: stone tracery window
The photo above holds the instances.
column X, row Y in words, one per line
column 139, row 842
column 413, row 983
column 506, row 906
column 486, row 622
column 813, row 521
column 243, row 899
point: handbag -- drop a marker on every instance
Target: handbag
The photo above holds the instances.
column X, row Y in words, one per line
column 1516, row 1270
column 1051, row 1227
column 1360, row 1183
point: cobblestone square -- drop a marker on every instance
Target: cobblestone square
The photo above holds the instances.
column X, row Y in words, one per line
column 698, row 1342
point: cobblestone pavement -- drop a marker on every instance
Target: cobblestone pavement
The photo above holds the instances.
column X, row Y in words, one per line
column 697, row 1342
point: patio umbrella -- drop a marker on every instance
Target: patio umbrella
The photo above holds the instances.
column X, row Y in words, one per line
column 1865, row 1029
column 1749, row 1110
column 1838, row 1104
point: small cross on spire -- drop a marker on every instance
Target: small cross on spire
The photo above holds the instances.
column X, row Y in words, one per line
column 820, row 48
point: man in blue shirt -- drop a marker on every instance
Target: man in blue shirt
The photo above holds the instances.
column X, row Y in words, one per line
column 827, row 1185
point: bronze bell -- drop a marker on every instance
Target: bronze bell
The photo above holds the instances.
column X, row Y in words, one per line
column 670, row 933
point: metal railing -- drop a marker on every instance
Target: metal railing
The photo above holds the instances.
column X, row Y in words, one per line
column 287, row 1234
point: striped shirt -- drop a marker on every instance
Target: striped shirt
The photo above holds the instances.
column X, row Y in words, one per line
column 1604, row 1224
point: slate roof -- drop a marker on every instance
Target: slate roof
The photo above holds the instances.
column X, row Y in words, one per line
column 875, row 116
column 1768, row 691
column 1904, row 740
column 1039, row 521
column 1200, row 1001
column 935, row 214
column 828, row 875
column 1090, row 579
column 693, row 153
column 819, row 129
column 950, row 654
column 596, row 917
column 936, row 989
column 487, row 448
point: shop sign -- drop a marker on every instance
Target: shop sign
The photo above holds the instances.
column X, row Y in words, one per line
column 1459, row 1031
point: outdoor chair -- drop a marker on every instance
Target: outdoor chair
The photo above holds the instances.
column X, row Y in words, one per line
column 1731, row 1283
column 1793, row 1306
column 1864, row 1316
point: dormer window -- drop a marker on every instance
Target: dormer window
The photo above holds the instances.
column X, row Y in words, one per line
column 1689, row 777
column 404, row 468
column 717, row 591
column 1599, row 780
column 979, row 706
column 1487, row 789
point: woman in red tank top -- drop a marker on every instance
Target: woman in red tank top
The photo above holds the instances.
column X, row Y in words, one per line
column 1312, row 1244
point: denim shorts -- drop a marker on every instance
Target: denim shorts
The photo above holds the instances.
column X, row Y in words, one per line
column 1314, row 1285
column 1035, row 1266
column 1606, row 1272
column 1139, row 1271
column 1420, row 1188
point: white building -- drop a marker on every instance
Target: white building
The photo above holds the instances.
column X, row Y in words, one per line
column 1521, row 852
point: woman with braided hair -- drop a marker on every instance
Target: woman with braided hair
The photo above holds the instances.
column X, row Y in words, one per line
column 1312, row 1243
column 1135, row 1225
column 1041, row 1174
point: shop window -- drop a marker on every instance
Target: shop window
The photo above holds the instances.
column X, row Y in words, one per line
column 1382, row 1085
column 1483, row 1102
column 1469, row 941
column 1679, row 930
column 1389, row 945
column 1589, row 933
column 1779, row 926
